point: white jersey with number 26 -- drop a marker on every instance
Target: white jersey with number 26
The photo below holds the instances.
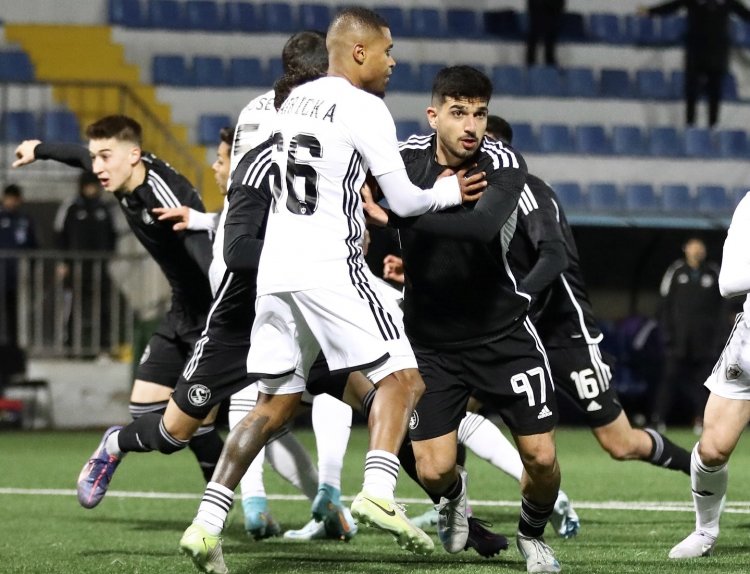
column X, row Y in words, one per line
column 327, row 135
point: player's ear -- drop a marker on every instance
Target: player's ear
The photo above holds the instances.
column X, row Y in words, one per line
column 359, row 53
column 135, row 155
column 432, row 117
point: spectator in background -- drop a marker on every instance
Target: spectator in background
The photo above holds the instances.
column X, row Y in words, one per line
column 545, row 17
column 690, row 317
column 85, row 223
column 16, row 232
column 707, row 43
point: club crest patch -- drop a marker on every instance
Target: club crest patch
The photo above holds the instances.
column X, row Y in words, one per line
column 198, row 395
column 413, row 420
column 733, row 372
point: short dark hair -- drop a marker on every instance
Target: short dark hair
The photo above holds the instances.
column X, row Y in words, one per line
column 461, row 82
column 13, row 190
column 305, row 50
column 87, row 178
column 226, row 135
column 357, row 15
column 119, row 127
column 498, row 128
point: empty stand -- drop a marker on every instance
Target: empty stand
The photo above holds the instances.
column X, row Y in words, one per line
column 732, row 143
column 676, row 198
column 203, row 15
column 405, row 128
column 712, row 199
column 125, row 13
column 209, row 71
column 246, row 72
column 314, row 17
column 60, row 126
column 664, row 141
column 15, row 66
column 698, row 142
column 171, row 70
column 545, row 81
column 278, row 17
column 628, row 140
column 592, row 140
column 615, row 83
column 165, row 14
column 426, row 23
column 209, row 127
column 640, row 197
column 241, row 16
column 570, row 195
column 524, row 138
column 652, row 84
column 510, row 80
column 555, row 138
column 580, row 83
column 18, row 126
column 603, row 197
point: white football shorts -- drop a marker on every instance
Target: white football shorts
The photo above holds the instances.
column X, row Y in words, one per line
column 731, row 375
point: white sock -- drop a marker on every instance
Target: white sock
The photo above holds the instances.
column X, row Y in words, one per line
column 709, row 484
column 381, row 474
column 291, row 460
column 332, row 423
column 112, row 445
column 213, row 510
column 242, row 403
column 486, row 441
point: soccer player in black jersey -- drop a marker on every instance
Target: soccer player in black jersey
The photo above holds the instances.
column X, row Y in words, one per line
column 141, row 182
column 466, row 317
column 543, row 252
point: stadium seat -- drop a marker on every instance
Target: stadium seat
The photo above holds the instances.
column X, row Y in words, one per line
column 640, row 197
column 426, row 23
column 580, row 83
column 570, row 195
column 555, row 138
column 712, row 199
column 315, row 17
column 426, row 75
column 247, row 72
column 729, row 88
column 203, row 15
column 60, row 126
column 275, row 69
column 605, row 27
column 592, row 140
column 502, row 23
column 462, row 23
column 676, row 198
column 628, row 140
column 397, row 21
column 403, row 78
column 651, row 84
column 125, row 13
column 698, row 142
column 603, row 197
column 16, row 67
column 165, row 14
column 740, row 32
column 732, row 143
column 208, row 71
column 509, row 80
column 738, row 193
column 524, row 139
column 664, row 141
column 241, row 16
column 170, row 70
column 615, row 83
column 642, row 30
column 572, row 27
column 545, row 81
column 18, row 126
column 278, row 17
column 209, row 126
column 405, row 128
column 677, row 84
column 672, row 30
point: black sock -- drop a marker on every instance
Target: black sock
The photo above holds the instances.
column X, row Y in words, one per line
column 409, row 464
column 206, row 445
column 533, row 518
column 141, row 435
column 454, row 490
column 460, row 455
column 667, row 454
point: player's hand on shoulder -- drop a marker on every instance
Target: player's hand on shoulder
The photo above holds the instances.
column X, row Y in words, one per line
column 471, row 185
column 180, row 215
column 25, row 152
column 374, row 214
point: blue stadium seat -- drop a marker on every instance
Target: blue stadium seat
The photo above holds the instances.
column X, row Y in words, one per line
column 545, row 81
column 125, row 13
column 509, row 80
column 740, row 32
column 592, row 140
column 606, row 28
column 278, row 17
column 570, row 195
column 203, row 15
column 652, row 84
column 698, row 142
column 664, row 141
column 170, row 70
column 18, row 126
column 713, row 199
column 403, row 78
column 603, row 197
column 426, row 23
column 405, row 128
column 462, row 23
column 524, row 138
column 676, row 198
column 615, row 83
column 241, row 16
column 628, row 140
column 314, row 17
column 165, row 14
column 208, row 71
column 397, row 20
column 733, row 143
column 555, row 138
column 16, row 67
column 580, row 83
column 729, row 88
column 60, row 126
column 247, row 72
column 642, row 30
column 677, row 84
column 572, row 27
column 738, row 193
column 275, row 69
column 673, row 30
column 640, row 197
column 426, row 75
column 503, row 24
column 209, row 126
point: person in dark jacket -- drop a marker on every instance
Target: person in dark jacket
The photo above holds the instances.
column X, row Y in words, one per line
column 707, row 43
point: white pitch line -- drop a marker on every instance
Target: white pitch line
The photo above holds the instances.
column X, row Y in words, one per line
column 737, row 507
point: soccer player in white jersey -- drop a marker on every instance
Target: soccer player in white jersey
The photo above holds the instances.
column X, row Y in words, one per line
column 314, row 288
column 727, row 411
